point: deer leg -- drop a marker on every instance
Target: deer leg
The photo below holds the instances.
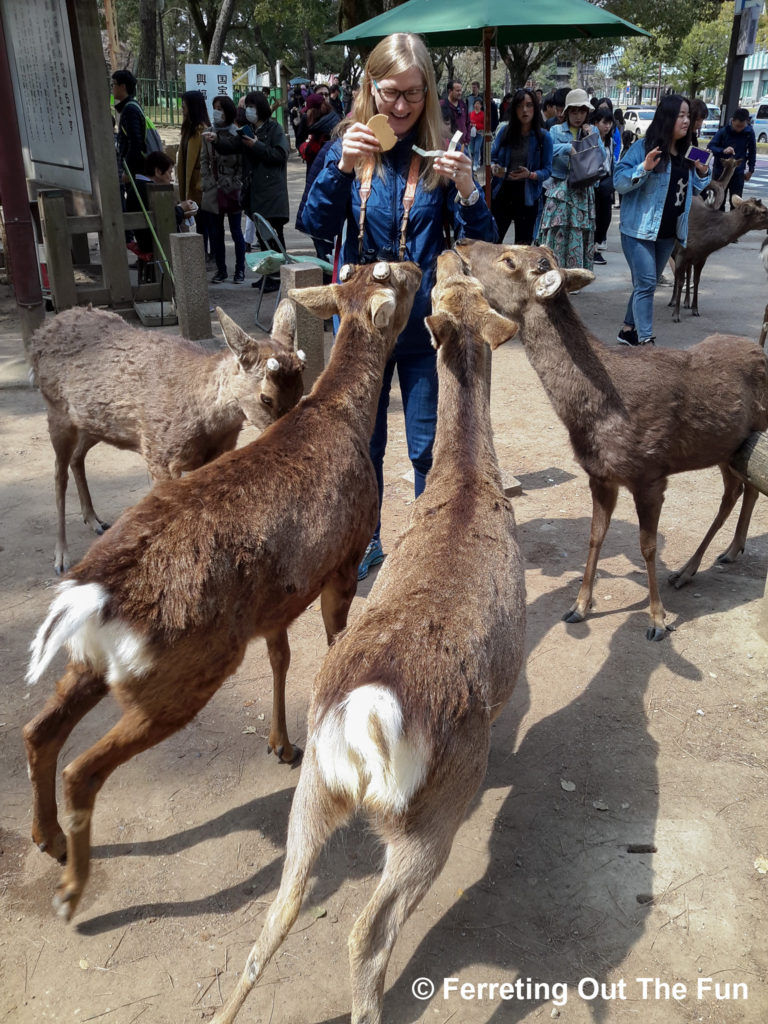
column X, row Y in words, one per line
column 696, row 278
column 764, row 331
column 732, row 489
column 687, row 302
column 84, row 445
column 280, row 659
column 335, row 601
column 85, row 776
column 736, row 546
column 78, row 691
column 648, row 503
column 63, row 439
column 604, row 495
column 417, row 849
column 315, row 814
column 676, row 292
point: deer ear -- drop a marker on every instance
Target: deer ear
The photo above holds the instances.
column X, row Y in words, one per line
column 321, row 300
column 284, row 323
column 549, row 284
column 383, row 306
column 441, row 327
column 577, row 278
column 497, row 329
column 236, row 338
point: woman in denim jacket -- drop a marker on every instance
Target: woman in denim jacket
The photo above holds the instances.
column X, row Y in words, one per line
column 521, row 161
column 568, row 220
column 657, row 183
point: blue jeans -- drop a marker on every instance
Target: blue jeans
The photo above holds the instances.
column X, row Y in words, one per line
column 647, row 259
column 418, row 388
column 476, row 150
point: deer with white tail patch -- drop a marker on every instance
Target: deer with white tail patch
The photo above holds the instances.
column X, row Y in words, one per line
column 401, row 710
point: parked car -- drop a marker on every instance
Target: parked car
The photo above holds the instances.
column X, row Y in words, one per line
column 711, row 122
column 638, row 119
column 760, row 123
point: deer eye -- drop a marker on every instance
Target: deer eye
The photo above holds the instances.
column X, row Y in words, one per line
column 266, row 400
column 544, row 265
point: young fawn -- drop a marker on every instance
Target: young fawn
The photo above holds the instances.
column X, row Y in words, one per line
column 162, row 607
column 401, row 710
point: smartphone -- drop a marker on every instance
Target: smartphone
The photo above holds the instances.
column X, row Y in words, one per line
column 521, row 167
column 704, row 156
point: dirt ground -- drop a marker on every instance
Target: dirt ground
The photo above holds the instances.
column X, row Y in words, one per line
column 610, row 855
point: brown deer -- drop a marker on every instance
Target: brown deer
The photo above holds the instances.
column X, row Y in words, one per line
column 634, row 417
column 764, row 261
column 708, row 231
column 162, row 607
column 400, row 716
column 714, row 194
column 153, row 393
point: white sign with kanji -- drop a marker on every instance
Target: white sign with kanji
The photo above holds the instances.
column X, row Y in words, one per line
column 211, row 80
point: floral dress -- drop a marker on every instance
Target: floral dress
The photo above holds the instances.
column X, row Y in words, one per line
column 568, row 219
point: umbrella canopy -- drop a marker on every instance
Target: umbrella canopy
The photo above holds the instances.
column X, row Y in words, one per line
column 461, row 22
column 299, row 81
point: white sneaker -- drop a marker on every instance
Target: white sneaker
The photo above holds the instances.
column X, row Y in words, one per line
column 602, row 246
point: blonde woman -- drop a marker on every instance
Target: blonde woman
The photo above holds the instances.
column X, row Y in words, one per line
column 399, row 82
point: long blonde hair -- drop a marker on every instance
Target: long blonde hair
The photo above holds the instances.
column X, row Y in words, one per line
column 392, row 56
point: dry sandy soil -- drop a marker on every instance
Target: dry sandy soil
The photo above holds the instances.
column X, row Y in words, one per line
column 615, row 838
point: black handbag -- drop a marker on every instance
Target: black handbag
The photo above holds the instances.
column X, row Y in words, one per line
column 587, row 164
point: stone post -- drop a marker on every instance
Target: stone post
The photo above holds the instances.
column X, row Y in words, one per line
column 309, row 328
column 192, row 303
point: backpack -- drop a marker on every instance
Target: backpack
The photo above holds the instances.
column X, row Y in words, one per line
column 311, row 146
column 152, row 141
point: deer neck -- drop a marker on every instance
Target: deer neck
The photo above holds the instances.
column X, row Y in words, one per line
column 463, row 449
column 224, row 410
column 351, row 382
column 567, row 359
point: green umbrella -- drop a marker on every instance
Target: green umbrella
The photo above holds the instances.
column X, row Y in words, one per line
column 463, row 22
column 491, row 22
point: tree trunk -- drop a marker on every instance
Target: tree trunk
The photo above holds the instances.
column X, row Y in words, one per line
column 223, row 22
column 524, row 59
column 309, row 55
column 146, row 66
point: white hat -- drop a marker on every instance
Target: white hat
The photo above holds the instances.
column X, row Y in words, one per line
column 576, row 98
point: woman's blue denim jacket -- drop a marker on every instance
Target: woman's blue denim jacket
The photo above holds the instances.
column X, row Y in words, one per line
column 562, row 142
column 644, row 194
column 539, row 160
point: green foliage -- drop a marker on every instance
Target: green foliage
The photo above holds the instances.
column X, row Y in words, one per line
column 701, row 58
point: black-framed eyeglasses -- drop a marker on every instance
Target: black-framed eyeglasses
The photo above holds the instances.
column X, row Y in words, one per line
column 393, row 95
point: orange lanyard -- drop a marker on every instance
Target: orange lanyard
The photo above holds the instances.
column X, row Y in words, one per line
column 408, row 197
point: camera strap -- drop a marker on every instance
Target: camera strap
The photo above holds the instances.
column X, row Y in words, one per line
column 409, row 196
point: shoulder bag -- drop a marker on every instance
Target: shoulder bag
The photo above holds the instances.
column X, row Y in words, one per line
column 587, row 164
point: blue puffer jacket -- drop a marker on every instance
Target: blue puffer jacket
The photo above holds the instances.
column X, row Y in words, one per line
column 333, row 208
column 539, row 160
column 645, row 193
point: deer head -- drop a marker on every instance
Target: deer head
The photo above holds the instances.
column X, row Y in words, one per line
column 268, row 379
column 383, row 292
column 753, row 211
column 514, row 277
column 458, row 301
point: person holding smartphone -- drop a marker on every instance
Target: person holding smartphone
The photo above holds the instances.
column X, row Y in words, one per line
column 657, row 183
column 521, row 161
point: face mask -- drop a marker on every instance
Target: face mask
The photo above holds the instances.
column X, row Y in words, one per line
column 250, row 113
column 218, row 118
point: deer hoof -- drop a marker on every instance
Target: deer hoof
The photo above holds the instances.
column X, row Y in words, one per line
column 573, row 616
column 695, row 312
column 65, row 901
column 678, row 579
column 658, row 633
column 100, row 527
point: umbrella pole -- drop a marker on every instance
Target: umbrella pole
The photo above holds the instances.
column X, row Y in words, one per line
column 488, row 133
